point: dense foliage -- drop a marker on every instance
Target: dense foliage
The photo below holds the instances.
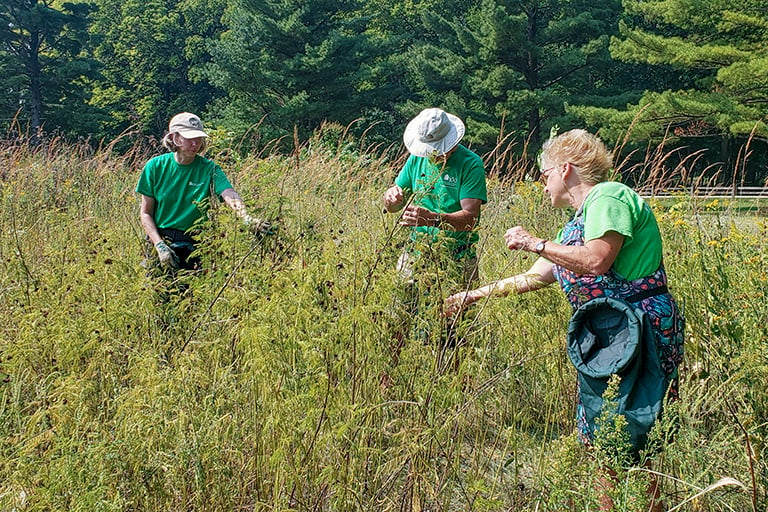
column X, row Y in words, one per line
column 278, row 380
column 689, row 71
column 718, row 51
column 151, row 50
column 296, row 63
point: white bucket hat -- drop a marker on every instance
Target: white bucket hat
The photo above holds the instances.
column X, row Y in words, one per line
column 187, row 125
column 433, row 132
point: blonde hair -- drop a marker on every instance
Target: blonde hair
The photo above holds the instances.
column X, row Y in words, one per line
column 170, row 145
column 584, row 151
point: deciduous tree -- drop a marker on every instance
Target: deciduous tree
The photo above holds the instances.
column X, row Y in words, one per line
column 151, row 51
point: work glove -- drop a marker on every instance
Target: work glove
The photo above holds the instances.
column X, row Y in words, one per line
column 165, row 254
column 257, row 226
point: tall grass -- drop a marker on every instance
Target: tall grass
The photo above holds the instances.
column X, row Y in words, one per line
column 278, row 380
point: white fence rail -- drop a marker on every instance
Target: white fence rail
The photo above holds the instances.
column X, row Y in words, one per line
column 714, row 192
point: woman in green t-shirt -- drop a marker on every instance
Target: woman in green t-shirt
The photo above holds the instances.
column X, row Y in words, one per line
column 611, row 248
column 175, row 188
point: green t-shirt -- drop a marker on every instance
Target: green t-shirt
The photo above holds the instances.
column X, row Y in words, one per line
column 441, row 188
column 613, row 206
column 181, row 191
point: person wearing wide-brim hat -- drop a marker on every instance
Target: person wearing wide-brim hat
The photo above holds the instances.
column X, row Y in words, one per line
column 442, row 187
column 175, row 189
column 440, row 191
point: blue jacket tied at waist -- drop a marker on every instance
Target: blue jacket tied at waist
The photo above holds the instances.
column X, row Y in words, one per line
column 609, row 336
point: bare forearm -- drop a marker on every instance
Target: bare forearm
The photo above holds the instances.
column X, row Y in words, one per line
column 539, row 276
column 150, row 228
column 595, row 257
column 518, row 284
column 462, row 220
column 577, row 259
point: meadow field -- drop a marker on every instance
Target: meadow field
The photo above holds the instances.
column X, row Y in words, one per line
column 277, row 379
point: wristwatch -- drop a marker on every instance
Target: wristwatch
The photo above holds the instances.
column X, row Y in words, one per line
column 540, row 246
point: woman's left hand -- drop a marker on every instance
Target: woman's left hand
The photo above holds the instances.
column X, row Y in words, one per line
column 518, row 239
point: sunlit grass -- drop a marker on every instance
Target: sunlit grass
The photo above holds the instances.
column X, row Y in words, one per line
column 277, row 381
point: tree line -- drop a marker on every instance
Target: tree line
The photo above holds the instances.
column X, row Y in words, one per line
column 692, row 73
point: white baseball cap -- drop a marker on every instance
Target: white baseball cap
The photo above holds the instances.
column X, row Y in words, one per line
column 187, row 125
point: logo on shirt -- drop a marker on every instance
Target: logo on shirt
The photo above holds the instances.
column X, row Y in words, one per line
column 449, row 180
column 193, row 184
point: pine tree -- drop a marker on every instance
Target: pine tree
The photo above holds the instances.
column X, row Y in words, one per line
column 520, row 62
column 45, row 66
column 718, row 51
column 295, row 63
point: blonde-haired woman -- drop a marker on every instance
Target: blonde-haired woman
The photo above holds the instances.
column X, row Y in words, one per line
column 610, row 250
column 175, row 188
